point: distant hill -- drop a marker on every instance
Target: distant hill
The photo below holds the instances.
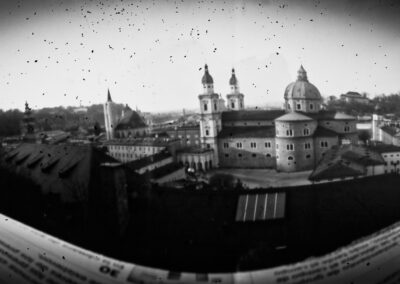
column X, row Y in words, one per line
column 382, row 104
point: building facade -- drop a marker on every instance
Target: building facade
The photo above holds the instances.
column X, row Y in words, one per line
column 386, row 129
column 292, row 139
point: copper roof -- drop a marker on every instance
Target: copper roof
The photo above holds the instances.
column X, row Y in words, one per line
column 293, row 116
column 329, row 115
column 247, row 131
column 207, row 79
column 131, row 120
column 233, row 80
column 251, row 115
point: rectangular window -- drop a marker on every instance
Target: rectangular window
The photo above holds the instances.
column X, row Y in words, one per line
column 215, row 106
column 298, row 106
column 324, row 144
column 253, row 145
column 226, row 145
column 207, row 132
column 261, row 207
column 205, row 107
column 239, row 145
column 307, row 146
column 290, row 147
column 347, row 129
column 267, row 144
column 306, row 131
column 289, row 132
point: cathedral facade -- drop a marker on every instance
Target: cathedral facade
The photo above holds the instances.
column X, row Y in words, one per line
column 292, row 139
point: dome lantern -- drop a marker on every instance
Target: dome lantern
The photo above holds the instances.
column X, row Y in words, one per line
column 302, row 74
column 233, row 81
column 301, row 95
column 207, row 79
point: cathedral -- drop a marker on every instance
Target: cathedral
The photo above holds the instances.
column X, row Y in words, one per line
column 291, row 139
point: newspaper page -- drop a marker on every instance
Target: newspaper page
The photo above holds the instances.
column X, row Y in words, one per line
column 30, row 256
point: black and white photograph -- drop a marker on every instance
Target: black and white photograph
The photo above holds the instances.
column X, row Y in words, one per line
column 199, row 141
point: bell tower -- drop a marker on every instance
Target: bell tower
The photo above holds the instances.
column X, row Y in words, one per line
column 28, row 129
column 210, row 115
column 235, row 99
column 110, row 117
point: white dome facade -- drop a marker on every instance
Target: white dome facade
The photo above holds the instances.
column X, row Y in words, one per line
column 301, row 95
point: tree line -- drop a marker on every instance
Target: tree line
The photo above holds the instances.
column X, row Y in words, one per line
column 56, row 118
column 382, row 104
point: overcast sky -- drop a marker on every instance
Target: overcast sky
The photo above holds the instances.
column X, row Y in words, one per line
column 151, row 54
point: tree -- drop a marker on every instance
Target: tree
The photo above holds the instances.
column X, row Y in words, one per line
column 364, row 136
column 222, row 181
column 97, row 128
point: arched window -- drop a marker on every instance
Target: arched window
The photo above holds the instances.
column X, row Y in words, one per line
column 205, row 107
column 306, row 131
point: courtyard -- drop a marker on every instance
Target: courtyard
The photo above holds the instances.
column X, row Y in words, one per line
column 254, row 178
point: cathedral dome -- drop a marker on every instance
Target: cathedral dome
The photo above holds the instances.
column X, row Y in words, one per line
column 207, row 79
column 302, row 89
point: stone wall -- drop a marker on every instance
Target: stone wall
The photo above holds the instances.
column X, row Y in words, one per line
column 292, row 155
column 319, row 150
column 250, row 155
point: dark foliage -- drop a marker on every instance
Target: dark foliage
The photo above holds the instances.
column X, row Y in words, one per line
column 381, row 104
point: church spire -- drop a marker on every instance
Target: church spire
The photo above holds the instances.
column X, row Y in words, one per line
column 27, row 108
column 109, row 96
column 28, row 124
